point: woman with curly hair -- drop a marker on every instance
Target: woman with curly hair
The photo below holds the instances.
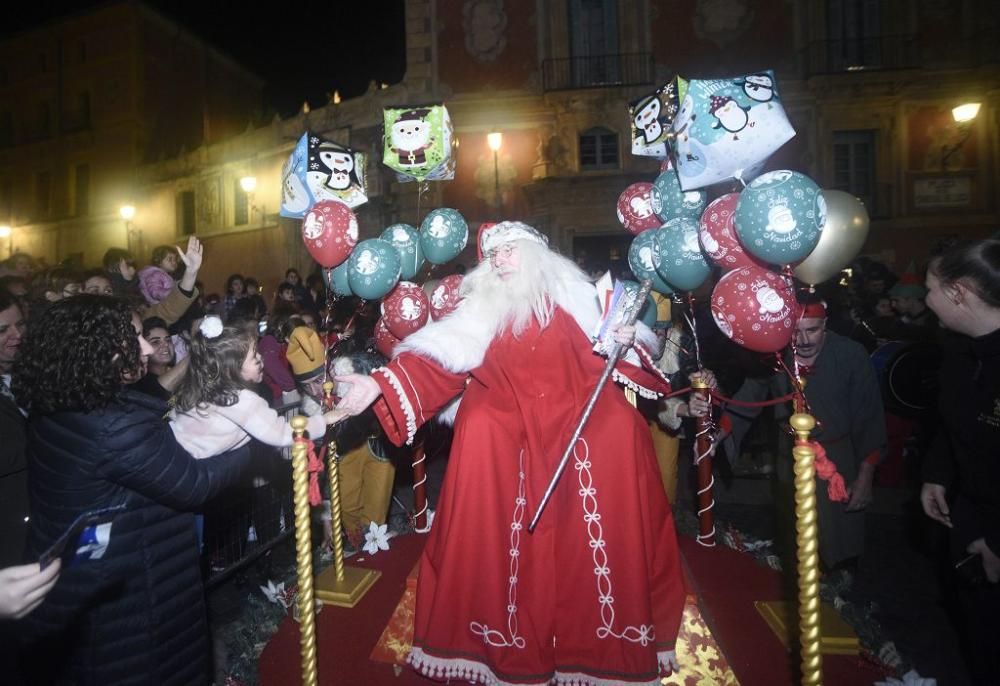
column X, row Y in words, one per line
column 134, row 614
column 215, row 410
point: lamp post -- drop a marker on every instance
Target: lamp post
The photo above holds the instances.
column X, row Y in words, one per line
column 249, row 184
column 127, row 212
column 8, row 233
column 495, row 140
column 963, row 115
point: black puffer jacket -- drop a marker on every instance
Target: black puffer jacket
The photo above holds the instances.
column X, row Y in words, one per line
column 137, row 615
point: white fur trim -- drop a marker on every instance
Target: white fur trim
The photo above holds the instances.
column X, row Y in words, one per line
column 506, row 232
column 448, row 413
column 404, row 402
column 618, row 377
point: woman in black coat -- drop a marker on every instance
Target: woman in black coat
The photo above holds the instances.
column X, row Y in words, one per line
column 136, row 615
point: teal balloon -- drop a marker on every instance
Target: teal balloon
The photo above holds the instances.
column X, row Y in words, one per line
column 670, row 202
column 779, row 217
column 647, row 315
column 681, row 262
column 406, row 240
column 336, row 279
column 373, row 268
column 443, row 235
column 642, row 258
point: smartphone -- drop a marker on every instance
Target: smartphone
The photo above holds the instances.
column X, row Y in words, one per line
column 87, row 525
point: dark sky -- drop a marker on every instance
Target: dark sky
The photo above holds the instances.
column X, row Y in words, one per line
column 302, row 50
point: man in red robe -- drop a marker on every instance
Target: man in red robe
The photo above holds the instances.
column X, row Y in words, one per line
column 595, row 594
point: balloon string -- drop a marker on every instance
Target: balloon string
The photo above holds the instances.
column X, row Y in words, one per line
column 693, row 326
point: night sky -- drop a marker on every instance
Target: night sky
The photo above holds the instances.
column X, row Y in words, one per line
column 302, row 50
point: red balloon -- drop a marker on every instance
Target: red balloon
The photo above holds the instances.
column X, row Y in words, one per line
column 330, row 232
column 405, row 309
column 445, row 298
column 717, row 235
column 635, row 209
column 755, row 308
column 385, row 342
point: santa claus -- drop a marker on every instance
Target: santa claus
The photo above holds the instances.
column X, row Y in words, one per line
column 594, row 594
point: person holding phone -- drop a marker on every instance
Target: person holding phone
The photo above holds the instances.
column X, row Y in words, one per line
column 962, row 468
column 128, row 606
column 24, row 587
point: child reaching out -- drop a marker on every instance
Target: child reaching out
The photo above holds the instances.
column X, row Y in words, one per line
column 215, row 410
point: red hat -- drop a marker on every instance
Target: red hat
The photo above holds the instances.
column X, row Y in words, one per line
column 717, row 102
column 815, row 310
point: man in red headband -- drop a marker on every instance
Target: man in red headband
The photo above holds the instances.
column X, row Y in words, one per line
column 594, row 594
column 843, row 394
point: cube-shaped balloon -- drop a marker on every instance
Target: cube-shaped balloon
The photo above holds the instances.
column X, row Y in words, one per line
column 418, row 143
column 651, row 117
column 727, row 128
column 320, row 169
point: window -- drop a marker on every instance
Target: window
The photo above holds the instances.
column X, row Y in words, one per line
column 241, row 205
column 854, row 165
column 6, row 129
column 594, row 42
column 43, row 194
column 82, row 189
column 598, row 149
column 854, row 31
column 185, row 213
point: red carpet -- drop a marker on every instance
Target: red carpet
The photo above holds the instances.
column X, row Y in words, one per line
column 726, row 582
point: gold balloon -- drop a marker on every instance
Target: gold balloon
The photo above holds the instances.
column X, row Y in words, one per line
column 843, row 234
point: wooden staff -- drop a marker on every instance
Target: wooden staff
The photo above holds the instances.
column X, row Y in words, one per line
column 303, row 551
column 420, row 485
column 703, row 463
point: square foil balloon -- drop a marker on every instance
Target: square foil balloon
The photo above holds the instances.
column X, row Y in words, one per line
column 335, row 172
column 418, row 143
column 651, row 117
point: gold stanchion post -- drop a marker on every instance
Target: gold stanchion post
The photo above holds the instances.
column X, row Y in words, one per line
column 807, row 544
column 340, row 585
column 303, row 552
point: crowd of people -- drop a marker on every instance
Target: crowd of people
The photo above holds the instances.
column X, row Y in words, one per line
column 133, row 398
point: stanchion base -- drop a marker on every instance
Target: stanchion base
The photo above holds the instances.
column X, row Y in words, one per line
column 349, row 591
column 836, row 636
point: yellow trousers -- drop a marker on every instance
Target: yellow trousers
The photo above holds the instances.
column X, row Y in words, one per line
column 365, row 489
column 667, row 448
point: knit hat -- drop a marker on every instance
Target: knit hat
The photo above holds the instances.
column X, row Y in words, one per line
column 908, row 286
column 493, row 235
column 155, row 284
column 306, row 353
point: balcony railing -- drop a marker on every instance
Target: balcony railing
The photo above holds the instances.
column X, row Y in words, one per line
column 599, row 71
column 861, row 54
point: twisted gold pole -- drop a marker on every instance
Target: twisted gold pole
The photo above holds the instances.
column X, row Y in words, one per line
column 807, row 539
column 333, row 473
column 303, row 552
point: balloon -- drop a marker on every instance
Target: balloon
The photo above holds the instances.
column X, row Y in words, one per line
column 418, row 142
column 651, row 116
column 330, row 232
column 336, row 279
column 726, row 126
column 443, row 235
column 779, row 217
column 635, row 208
column 670, row 202
column 319, row 169
column 681, row 263
column 647, row 315
column 643, row 255
column 406, row 240
column 844, row 233
column 717, row 235
column 405, row 309
column 445, row 298
column 385, row 342
column 373, row 268
column 755, row 308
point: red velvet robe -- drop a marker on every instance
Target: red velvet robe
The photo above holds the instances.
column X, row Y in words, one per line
column 595, row 594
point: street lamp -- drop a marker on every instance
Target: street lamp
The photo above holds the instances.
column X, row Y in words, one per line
column 248, row 184
column 495, row 140
column 8, row 233
column 963, row 115
column 127, row 212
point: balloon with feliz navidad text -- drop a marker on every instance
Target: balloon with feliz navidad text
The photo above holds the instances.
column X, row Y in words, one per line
column 385, row 342
column 406, row 240
column 643, row 255
column 844, row 234
column 405, row 309
column 681, row 263
column 330, row 232
column 727, row 126
column 337, row 280
column 670, row 202
column 443, row 235
column 635, row 208
column 373, row 269
column 755, row 308
column 647, row 315
column 779, row 217
column 444, row 297
column 717, row 235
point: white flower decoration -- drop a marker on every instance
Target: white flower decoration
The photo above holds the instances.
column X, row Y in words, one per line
column 376, row 538
column 276, row 594
column 211, row 326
